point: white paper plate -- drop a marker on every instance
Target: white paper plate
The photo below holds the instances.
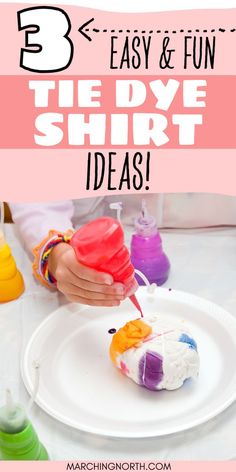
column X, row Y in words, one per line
column 80, row 386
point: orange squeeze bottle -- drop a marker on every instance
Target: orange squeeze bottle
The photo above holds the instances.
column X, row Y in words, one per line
column 11, row 281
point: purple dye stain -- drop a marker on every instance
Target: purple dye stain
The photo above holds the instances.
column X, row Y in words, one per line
column 150, row 370
column 112, row 331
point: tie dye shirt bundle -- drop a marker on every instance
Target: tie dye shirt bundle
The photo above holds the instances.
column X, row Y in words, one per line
column 156, row 353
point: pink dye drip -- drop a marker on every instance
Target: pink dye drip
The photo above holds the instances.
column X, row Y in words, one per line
column 134, row 300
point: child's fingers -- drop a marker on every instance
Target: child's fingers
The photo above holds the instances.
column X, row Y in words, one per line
column 87, row 273
column 82, row 284
column 64, row 275
column 132, row 289
column 114, row 289
column 71, row 289
column 87, row 301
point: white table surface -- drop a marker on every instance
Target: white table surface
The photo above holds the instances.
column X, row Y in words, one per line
column 203, row 263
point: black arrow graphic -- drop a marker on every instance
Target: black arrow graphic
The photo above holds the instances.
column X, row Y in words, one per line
column 170, row 31
column 83, row 26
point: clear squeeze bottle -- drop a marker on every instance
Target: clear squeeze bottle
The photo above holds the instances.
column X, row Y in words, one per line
column 147, row 254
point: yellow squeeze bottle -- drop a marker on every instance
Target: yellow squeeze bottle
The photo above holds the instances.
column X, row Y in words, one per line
column 11, row 281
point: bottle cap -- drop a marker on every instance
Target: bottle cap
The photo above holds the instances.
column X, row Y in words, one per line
column 145, row 224
column 95, row 243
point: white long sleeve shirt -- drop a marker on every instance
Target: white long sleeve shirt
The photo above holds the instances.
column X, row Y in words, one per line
column 185, row 210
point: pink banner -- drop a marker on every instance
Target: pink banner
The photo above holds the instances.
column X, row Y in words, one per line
column 118, row 465
column 144, row 122
column 59, row 174
column 94, row 55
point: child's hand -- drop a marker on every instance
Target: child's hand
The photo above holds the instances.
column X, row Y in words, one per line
column 80, row 283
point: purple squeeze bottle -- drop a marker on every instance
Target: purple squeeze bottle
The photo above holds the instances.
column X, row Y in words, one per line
column 147, row 254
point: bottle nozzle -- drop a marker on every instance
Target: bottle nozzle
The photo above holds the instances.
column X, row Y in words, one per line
column 1, row 222
column 144, row 209
column 12, row 416
column 10, row 406
column 2, row 239
column 145, row 224
column 118, row 207
column 146, row 218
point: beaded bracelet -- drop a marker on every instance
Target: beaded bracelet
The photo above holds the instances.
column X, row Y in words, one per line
column 42, row 253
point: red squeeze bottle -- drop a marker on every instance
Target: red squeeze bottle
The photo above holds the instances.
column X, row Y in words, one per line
column 100, row 245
